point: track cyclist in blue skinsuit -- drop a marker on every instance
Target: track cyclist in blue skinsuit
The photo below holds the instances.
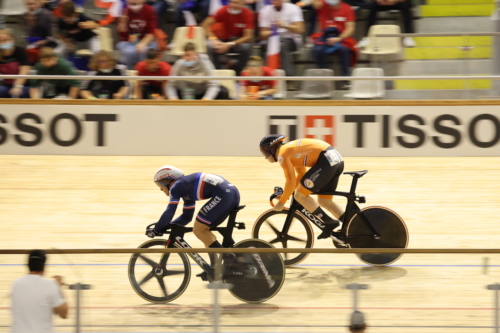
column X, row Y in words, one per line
column 223, row 196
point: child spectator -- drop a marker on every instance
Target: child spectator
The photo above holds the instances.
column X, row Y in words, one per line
column 152, row 66
column 75, row 30
column 257, row 89
column 51, row 64
column 194, row 64
column 136, row 29
column 103, row 63
column 12, row 62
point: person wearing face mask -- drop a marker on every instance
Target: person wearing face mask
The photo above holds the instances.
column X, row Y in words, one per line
column 103, row 63
column 38, row 29
column 76, row 30
column 51, row 64
column 194, row 64
column 339, row 16
column 258, row 89
column 238, row 26
column 152, row 66
column 290, row 25
column 136, row 29
column 12, row 62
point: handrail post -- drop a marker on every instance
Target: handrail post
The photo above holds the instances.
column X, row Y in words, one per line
column 78, row 287
column 495, row 287
column 216, row 285
column 355, row 287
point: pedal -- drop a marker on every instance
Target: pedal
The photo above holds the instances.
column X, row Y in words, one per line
column 203, row 275
column 240, row 225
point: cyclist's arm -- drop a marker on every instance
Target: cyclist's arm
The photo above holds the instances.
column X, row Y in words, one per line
column 187, row 213
column 301, row 171
column 167, row 216
column 291, row 181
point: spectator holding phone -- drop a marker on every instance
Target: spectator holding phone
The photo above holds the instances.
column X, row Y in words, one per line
column 257, row 89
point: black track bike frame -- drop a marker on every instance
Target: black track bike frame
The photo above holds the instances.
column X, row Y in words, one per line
column 176, row 239
column 350, row 210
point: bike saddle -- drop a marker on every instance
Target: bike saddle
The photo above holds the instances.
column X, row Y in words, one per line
column 357, row 173
column 237, row 209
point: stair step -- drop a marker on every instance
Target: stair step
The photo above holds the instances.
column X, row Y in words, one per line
column 460, row 2
column 446, row 67
column 429, row 53
column 456, row 10
column 453, row 41
column 441, row 84
column 454, row 25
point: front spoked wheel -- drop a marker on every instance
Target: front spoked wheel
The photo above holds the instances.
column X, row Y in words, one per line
column 270, row 227
column 389, row 225
column 255, row 277
column 159, row 277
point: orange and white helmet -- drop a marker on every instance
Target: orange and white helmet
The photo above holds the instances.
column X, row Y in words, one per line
column 166, row 174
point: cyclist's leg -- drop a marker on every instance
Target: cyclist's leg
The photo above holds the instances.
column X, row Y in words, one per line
column 326, row 201
column 313, row 181
column 213, row 213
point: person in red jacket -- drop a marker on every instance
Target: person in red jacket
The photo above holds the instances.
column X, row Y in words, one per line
column 339, row 16
column 136, row 28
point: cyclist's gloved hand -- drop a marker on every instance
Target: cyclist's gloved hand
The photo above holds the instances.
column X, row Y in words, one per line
column 151, row 233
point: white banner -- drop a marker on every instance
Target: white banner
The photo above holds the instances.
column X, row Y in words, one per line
column 237, row 130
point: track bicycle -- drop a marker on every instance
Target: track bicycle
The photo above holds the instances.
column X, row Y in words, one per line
column 254, row 277
column 370, row 227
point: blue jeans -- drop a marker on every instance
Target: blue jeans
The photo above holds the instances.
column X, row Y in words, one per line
column 319, row 54
column 4, row 91
column 129, row 54
column 202, row 7
column 160, row 8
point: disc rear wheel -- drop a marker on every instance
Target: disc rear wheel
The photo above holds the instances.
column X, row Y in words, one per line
column 255, row 277
column 389, row 225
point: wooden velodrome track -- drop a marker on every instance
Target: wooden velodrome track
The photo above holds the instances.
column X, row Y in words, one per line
column 106, row 202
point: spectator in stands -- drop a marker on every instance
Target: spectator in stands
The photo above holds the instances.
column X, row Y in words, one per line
column 51, row 64
column 201, row 7
column 38, row 29
column 238, row 29
column 136, row 28
column 12, row 62
column 2, row 22
column 258, row 89
column 160, row 7
column 35, row 299
column 152, row 66
column 103, row 63
column 75, row 30
column 337, row 21
column 288, row 20
column 357, row 324
column 404, row 6
column 194, row 64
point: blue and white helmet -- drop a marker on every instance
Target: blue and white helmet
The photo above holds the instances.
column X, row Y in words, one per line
column 166, row 174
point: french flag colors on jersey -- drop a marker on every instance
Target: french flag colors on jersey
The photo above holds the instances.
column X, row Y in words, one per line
column 273, row 48
column 114, row 7
column 215, row 5
column 198, row 187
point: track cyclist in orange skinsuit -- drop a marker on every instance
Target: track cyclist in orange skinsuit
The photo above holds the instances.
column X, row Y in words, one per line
column 326, row 165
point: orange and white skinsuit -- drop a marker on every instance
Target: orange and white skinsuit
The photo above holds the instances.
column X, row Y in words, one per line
column 294, row 157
